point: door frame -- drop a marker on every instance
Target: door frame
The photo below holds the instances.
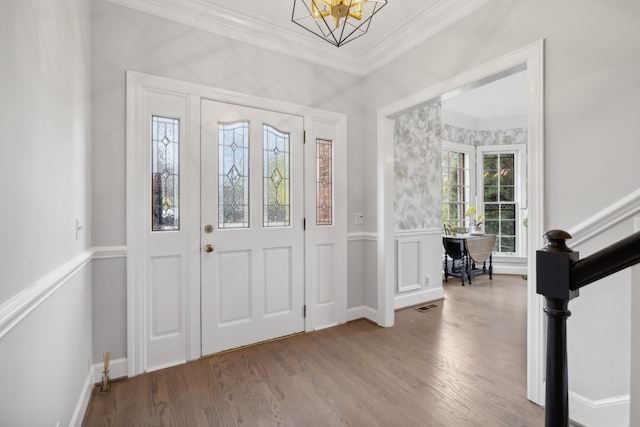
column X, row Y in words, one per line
column 138, row 84
column 533, row 57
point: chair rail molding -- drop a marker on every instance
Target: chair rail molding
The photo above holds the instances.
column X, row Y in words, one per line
column 19, row 306
column 417, row 232
column 107, row 252
column 614, row 214
column 353, row 237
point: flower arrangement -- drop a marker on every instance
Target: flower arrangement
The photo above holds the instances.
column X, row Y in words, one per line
column 474, row 216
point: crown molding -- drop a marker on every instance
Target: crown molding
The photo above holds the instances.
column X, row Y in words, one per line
column 425, row 25
column 290, row 40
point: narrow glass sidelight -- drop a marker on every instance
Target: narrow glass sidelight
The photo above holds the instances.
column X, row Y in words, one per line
column 165, row 174
column 324, row 181
column 233, row 175
column 276, row 177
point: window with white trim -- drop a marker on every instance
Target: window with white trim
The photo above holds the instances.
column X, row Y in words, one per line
column 458, row 187
column 502, row 182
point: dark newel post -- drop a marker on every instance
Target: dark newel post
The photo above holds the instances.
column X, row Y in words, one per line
column 553, row 277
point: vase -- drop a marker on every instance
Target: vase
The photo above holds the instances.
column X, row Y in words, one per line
column 476, row 229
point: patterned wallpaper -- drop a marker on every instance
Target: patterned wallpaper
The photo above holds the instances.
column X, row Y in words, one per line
column 484, row 137
column 417, row 164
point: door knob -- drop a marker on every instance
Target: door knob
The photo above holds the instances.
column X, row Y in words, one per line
column 208, row 248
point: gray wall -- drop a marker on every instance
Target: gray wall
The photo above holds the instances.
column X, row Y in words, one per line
column 45, row 184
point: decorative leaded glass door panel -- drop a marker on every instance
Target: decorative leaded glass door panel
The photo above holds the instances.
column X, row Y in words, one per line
column 252, row 258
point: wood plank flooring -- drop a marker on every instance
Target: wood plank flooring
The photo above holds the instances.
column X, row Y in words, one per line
column 460, row 364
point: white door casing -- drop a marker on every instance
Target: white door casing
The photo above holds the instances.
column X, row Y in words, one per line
column 325, row 274
column 253, row 280
column 533, row 56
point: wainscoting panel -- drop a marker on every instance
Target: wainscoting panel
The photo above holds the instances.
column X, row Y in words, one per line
column 409, row 264
column 418, row 267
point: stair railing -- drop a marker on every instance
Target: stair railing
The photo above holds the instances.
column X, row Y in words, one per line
column 560, row 275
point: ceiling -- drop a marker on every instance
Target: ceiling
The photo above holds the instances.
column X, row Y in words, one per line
column 506, row 98
column 398, row 27
column 395, row 29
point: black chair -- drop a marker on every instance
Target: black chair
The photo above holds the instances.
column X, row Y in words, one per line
column 459, row 265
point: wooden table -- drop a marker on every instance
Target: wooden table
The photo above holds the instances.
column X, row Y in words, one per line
column 467, row 253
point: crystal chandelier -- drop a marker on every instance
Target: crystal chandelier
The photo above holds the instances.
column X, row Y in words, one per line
column 336, row 21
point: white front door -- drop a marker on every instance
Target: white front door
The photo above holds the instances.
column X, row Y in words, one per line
column 252, row 235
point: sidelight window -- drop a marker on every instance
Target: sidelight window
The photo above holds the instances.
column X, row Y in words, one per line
column 324, row 182
column 165, row 173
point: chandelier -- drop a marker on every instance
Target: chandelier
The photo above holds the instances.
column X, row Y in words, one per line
column 336, row 21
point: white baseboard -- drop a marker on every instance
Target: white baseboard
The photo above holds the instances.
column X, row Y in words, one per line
column 327, row 326
column 117, row 369
column 83, row 401
column 362, row 312
column 504, row 269
column 418, row 297
column 610, row 412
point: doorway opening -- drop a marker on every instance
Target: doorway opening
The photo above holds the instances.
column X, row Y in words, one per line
column 530, row 57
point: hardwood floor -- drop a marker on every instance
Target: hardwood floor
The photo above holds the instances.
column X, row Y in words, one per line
column 460, row 364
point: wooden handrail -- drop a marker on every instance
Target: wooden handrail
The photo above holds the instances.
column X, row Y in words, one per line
column 605, row 262
column 560, row 275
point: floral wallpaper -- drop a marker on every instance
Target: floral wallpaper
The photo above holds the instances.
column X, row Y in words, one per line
column 484, row 137
column 417, row 164
column 418, row 140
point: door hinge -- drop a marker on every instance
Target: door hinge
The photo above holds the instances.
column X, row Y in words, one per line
column 304, row 223
column 304, row 136
column 304, row 310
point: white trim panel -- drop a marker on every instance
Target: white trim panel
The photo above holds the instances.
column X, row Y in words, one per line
column 17, row 308
column 409, row 264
